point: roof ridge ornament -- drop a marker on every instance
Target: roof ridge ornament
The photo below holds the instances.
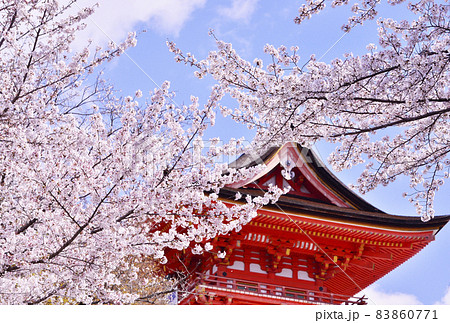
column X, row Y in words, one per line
column 287, row 171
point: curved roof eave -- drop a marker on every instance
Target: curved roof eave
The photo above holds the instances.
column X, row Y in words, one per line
column 295, row 205
column 364, row 212
column 322, row 172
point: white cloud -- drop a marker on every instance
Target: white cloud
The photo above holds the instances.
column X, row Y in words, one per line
column 241, row 10
column 376, row 296
column 445, row 300
column 113, row 19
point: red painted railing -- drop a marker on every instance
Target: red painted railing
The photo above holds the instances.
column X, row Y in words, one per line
column 263, row 289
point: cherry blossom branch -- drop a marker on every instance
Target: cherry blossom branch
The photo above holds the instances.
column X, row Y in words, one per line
column 64, row 209
column 13, row 19
column 147, row 298
column 126, row 215
column 26, row 226
column 82, row 227
column 47, row 296
column 395, row 123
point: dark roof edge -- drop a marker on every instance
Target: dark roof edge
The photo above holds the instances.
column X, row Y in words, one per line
column 327, row 177
column 328, row 211
column 331, row 180
column 245, row 161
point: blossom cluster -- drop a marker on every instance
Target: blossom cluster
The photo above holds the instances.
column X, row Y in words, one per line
column 388, row 108
column 88, row 180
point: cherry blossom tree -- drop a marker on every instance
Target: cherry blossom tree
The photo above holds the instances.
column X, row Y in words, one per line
column 388, row 108
column 88, row 180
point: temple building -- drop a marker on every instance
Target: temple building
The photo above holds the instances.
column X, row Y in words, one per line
column 319, row 244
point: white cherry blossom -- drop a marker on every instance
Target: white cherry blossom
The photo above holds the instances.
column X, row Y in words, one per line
column 88, row 180
column 388, row 108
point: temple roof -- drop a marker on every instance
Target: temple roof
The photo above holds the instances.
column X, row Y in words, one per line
column 315, row 191
column 320, row 238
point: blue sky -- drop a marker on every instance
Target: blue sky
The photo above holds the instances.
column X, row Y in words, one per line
column 249, row 25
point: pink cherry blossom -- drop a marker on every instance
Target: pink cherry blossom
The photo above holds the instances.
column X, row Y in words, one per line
column 388, row 108
column 89, row 180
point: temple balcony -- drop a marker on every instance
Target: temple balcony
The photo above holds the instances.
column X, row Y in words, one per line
column 211, row 289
